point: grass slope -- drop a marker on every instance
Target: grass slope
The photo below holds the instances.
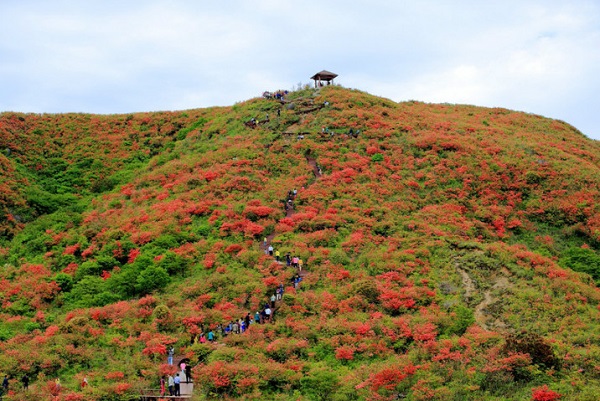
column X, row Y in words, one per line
column 452, row 251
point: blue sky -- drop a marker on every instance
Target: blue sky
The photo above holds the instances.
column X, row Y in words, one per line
column 108, row 56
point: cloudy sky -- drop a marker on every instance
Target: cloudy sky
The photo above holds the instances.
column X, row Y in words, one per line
column 119, row 56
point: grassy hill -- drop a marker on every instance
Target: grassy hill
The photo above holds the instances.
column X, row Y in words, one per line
column 450, row 252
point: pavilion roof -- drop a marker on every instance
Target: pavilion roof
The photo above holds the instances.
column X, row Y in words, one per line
column 324, row 75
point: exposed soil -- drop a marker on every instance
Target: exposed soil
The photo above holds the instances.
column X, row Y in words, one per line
column 481, row 313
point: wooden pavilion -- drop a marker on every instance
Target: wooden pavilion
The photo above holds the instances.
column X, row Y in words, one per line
column 324, row 75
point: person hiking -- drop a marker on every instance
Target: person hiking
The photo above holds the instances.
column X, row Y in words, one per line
column 211, row 336
column 297, row 280
column 300, row 264
column 277, row 255
column 273, row 299
column 270, row 250
column 288, row 259
column 263, row 316
column 176, row 383
column 25, row 381
column 162, row 386
column 257, row 317
column 170, row 355
column 188, row 373
column 171, row 384
column 5, row 384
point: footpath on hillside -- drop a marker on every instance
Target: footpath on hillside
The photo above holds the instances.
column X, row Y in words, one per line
column 183, row 390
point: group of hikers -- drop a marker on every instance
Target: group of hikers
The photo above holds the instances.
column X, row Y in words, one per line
column 278, row 95
column 5, row 384
column 289, row 204
column 173, row 383
column 237, row 326
column 351, row 132
column 25, row 382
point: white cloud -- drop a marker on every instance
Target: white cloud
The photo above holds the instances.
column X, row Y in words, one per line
column 109, row 56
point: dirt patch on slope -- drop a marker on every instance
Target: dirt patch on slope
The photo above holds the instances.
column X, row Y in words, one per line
column 482, row 314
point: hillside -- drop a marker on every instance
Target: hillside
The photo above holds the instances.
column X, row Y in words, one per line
column 450, row 252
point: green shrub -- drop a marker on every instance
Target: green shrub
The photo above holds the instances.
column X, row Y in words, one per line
column 150, row 279
column 377, row 157
column 582, row 260
column 64, row 281
column 339, row 257
column 31, row 326
column 367, row 289
column 463, row 320
column 319, row 384
column 5, row 333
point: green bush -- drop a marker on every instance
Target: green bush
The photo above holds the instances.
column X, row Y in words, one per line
column 367, row 289
column 5, row 333
column 339, row 257
column 463, row 320
column 150, row 279
column 31, row 326
column 377, row 157
column 84, row 293
column 64, row 281
column 319, row 384
column 582, row 260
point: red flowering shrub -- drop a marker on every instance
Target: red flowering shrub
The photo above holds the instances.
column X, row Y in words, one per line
column 543, row 393
column 133, row 254
column 344, row 353
column 117, row 375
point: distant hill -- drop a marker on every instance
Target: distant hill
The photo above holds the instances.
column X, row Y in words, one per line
column 450, row 252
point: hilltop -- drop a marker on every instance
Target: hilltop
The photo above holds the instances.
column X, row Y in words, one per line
column 450, row 251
